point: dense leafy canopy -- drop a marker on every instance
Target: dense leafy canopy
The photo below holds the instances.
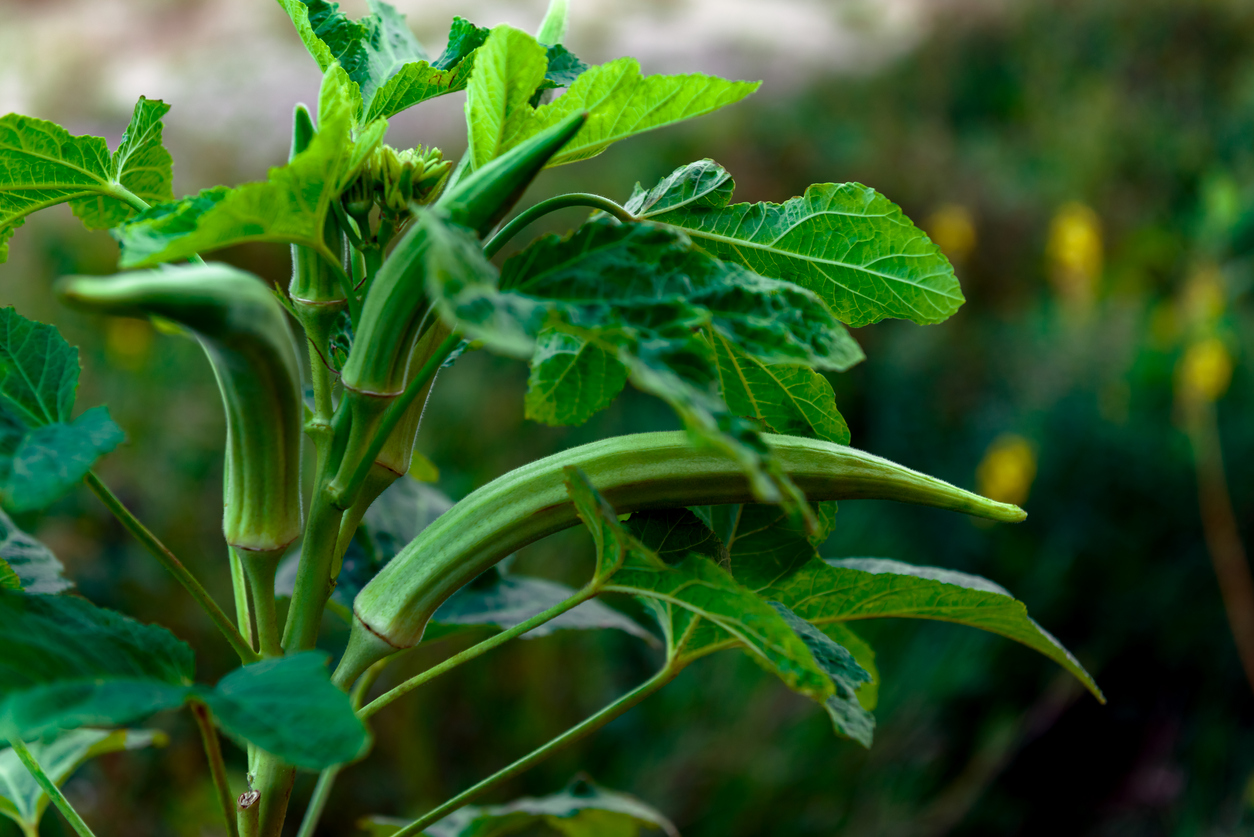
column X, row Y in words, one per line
column 42, row 164
column 847, row 243
column 43, row 451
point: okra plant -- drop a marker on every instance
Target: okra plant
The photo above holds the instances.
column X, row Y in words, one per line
column 731, row 313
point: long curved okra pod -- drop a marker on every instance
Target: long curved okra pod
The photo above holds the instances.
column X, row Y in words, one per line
column 642, row 471
column 244, row 332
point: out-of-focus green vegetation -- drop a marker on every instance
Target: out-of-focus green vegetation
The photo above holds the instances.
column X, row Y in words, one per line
column 1089, row 167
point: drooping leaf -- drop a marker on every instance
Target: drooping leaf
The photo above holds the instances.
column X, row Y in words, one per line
column 21, row 798
column 846, row 242
column 65, row 663
column 42, row 164
column 583, row 809
column 863, row 654
column 786, row 398
column 571, row 379
column 622, row 102
column 290, row 206
column 43, row 452
column 289, row 707
column 508, row 70
column 701, row 588
column 503, row 600
column 848, row 716
column 823, row 591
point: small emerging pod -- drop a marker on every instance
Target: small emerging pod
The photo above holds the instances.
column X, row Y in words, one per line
column 635, row 472
column 244, row 332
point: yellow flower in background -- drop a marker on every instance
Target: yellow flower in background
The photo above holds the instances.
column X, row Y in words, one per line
column 953, row 229
column 1203, row 298
column 1075, row 255
column 1007, row 470
column 1204, row 372
column 127, row 342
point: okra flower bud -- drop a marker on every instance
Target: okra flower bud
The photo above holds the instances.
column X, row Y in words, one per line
column 245, row 334
column 394, row 179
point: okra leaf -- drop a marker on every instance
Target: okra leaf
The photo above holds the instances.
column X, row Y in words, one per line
column 509, row 68
column 503, row 600
column 65, row 663
column 622, row 102
column 571, row 379
column 289, row 707
column 419, row 81
column 21, row 798
column 786, row 398
column 290, row 206
column 848, row 716
column 9, row 579
column 42, row 164
column 42, row 451
column 583, row 809
column 701, row 588
column 563, row 67
column 824, row 591
column 846, row 242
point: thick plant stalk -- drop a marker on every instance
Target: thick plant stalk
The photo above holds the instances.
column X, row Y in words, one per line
column 647, row 470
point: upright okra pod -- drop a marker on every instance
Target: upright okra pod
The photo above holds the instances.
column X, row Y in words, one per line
column 245, row 334
column 642, row 471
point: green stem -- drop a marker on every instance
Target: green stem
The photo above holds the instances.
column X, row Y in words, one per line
column 137, row 203
column 50, row 788
column 176, row 568
column 313, row 573
column 475, row 650
column 344, row 493
column 217, row 767
column 261, row 568
column 320, row 378
column 552, row 205
column 575, row 733
column 243, row 610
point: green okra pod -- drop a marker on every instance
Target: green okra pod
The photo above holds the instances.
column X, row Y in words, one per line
column 245, row 334
column 646, row 470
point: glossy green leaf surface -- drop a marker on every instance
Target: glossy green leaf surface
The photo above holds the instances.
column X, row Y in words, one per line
column 702, row 588
column 65, row 663
column 289, row 707
column 583, row 809
column 42, row 451
column 21, row 798
column 42, row 164
column 823, row 591
column 846, row 242
column 290, row 206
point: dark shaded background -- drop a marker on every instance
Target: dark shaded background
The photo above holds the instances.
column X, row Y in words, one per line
column 1131, row 121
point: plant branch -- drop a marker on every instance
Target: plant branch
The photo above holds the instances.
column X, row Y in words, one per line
column 166, row 558
column 243, row 610
column 575, row 733
column 543, row 208
column 217, row 767
column 476, row 650
column 50, row 787
column 318, row 802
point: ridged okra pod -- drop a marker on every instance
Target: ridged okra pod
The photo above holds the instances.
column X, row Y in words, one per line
column 642, row 471
column 243, row 330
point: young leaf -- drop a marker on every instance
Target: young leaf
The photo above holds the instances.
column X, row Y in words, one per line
column 289, row 707
column 846, row 242
column 21, row 798
column 583, row 809
column 291, row 206
column 622, row 103
column 571, row 379
column 823, row 591
column 786, row 398
column 848, row 716
column 508, row 69
column 502, row 600
column 697, row 585
column 65, row 663
column 42, row 452
column 418, row 81
column 42, row 164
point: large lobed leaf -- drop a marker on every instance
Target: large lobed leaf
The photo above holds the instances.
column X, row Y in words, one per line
column 42, row 164
column 290, row 206
column 42, row 450
column 844, row 241
column 24, row 801
column 621, row 102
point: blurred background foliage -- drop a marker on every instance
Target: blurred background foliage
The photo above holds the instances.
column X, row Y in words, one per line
column 1089, row 168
